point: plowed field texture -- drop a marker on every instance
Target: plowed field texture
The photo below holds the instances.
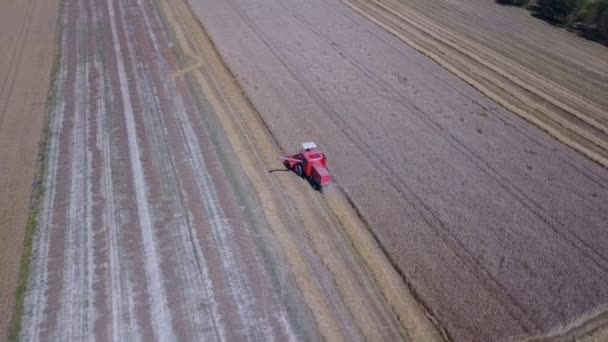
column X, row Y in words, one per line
column 468, row 144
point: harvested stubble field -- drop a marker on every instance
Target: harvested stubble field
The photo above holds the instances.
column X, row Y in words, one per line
column 498, row 227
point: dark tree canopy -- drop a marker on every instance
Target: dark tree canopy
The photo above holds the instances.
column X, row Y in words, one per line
column 558, row 10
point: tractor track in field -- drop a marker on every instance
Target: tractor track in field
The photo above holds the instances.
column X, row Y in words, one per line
column 161, row 220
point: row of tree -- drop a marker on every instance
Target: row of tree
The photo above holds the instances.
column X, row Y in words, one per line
column 592, row 14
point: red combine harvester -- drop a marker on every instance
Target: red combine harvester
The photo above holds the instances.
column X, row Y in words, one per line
column 309, row 163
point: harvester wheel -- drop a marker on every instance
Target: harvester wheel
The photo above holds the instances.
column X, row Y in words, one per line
column 299, row 171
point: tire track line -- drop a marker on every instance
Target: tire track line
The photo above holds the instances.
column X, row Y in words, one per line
column 17, row 47
column 16, row 57
column 159, row 311
column 72, row 318
column 112, row 273
column 114, row 288
column 88, row 257
column 61, row 210
column 193, row 269
column 120, row 290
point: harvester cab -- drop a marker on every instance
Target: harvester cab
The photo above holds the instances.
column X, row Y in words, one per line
column 309, row 163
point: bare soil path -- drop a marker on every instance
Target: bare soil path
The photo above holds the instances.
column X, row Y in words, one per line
column 27, row 31
column 161, row 220
column 498, row 227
